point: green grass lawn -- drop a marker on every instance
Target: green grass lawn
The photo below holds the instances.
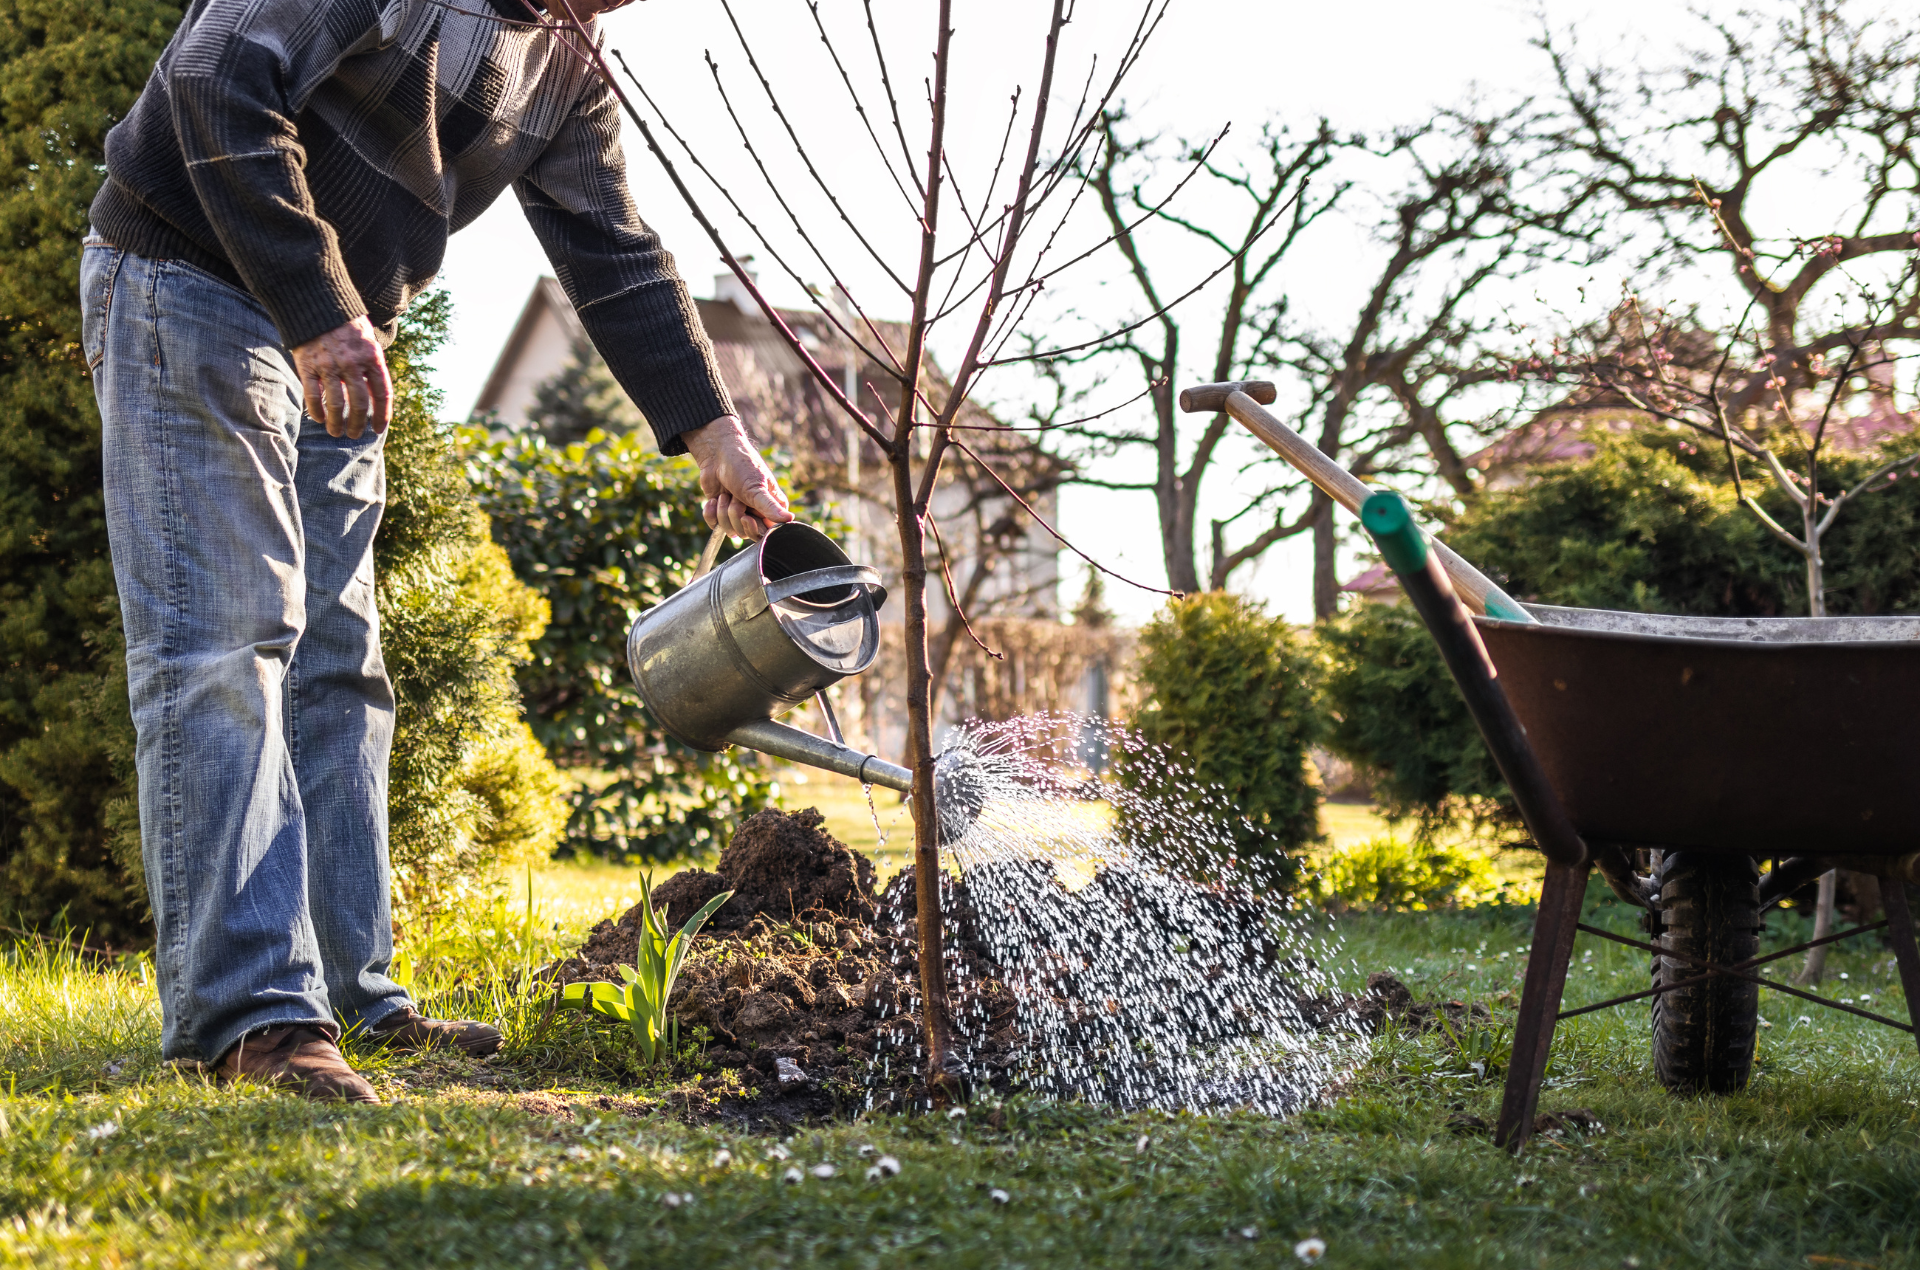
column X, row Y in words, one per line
column 543, row 1157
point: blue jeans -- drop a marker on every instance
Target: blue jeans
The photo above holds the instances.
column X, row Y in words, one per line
column 242, row 539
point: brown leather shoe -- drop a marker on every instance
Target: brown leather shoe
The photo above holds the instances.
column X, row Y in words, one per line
column 298, row 1058
column 405, row 1031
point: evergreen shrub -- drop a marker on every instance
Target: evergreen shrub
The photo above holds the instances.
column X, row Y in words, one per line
column 69, row 827
column 469, row 786
column 1227, row 692
column 1649, row 523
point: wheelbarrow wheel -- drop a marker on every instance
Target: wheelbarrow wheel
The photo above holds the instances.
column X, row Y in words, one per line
column 1703, row 1034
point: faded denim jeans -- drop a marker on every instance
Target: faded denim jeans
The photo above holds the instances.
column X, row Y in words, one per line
column 242, row 539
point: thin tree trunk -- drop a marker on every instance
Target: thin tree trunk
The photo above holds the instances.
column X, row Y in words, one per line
column 1176, row 506
column 1326, row 582
column 935, row 1017
column 1816, row 572
column 1815, row 969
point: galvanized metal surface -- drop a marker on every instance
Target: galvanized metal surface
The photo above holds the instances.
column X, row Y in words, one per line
column 735, row 647
column 1794, row 735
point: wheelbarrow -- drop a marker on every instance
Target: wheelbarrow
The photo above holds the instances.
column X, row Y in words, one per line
column 1673, row 755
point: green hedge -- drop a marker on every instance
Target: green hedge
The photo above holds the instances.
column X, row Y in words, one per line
column 69, row 838
column 1650, row 523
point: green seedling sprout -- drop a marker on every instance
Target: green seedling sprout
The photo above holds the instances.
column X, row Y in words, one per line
column 642, row 1003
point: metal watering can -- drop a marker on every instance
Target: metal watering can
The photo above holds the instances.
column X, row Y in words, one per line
column 774, row 625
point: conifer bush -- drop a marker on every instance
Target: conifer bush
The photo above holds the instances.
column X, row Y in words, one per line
column 1390, row 706
column 1228, row 692
column 69, row 834
column 1648, row 523
column 469, row 785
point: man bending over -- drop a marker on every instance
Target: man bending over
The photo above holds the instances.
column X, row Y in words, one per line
column 283, row 187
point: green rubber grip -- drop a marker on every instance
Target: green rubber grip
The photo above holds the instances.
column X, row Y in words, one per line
column 1505, row 607
column 1390, row 521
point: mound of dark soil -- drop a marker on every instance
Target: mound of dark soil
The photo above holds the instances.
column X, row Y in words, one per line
column 808, row 985
column 779, row 865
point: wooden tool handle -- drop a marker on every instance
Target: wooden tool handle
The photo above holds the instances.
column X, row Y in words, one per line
column 1242, row 401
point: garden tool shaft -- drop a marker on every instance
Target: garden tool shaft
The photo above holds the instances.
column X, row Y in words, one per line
column 1242, row 402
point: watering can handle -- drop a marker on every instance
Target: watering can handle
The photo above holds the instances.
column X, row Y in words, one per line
column 711, row 554
column 838, row 575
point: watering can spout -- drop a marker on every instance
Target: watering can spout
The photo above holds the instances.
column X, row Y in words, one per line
column 801, row 747
column 958, row 794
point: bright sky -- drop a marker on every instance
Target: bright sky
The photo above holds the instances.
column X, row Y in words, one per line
column 1213, row 62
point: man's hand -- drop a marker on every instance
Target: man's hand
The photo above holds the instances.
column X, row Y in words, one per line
column 742, row 496
column 343, row 374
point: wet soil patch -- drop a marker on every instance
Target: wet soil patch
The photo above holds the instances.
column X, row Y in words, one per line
column 806, row 981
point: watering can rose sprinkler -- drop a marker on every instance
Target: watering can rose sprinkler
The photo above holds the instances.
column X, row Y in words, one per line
column 778, row 623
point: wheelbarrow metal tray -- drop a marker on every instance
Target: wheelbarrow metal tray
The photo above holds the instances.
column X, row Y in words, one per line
column 1762, row 735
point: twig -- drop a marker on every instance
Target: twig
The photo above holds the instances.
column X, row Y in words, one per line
column 1149, row 318
column 1041, row 521
column 799, row 148
column 859, row 107
column 765, row 242
column 893, row 103
column 828, row 384
column 953, row 596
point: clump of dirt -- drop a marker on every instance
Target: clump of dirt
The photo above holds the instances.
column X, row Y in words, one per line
column 1387, row 999
column 806, row 982
column 779, row 865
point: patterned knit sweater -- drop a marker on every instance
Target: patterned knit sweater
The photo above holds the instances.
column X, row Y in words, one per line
column 318, row 153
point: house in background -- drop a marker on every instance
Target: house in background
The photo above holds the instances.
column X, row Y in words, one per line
column 1004, row 566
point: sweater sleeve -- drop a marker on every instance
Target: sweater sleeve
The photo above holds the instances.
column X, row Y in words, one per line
column 623, row 283
column 237, row 82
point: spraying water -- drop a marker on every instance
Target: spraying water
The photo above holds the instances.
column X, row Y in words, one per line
column 1147, row 971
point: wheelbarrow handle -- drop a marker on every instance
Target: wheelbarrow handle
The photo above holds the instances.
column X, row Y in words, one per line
column 1408, row 552
column 1242, row 400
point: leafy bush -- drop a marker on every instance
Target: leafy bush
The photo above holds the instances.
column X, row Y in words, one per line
column 1390, row 706
column 1395, row 875
column 69, row 827
column 604, row 528
column 468, row 786
column 1231, row 690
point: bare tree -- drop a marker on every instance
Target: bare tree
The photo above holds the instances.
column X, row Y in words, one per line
column 1687, row 148
column 986, row 248
column 1394, row 389
column 1279, row 205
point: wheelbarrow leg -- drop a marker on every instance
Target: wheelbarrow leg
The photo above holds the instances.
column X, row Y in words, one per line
column 1554, row 930
column 1387, row 517
column 1893, row 900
